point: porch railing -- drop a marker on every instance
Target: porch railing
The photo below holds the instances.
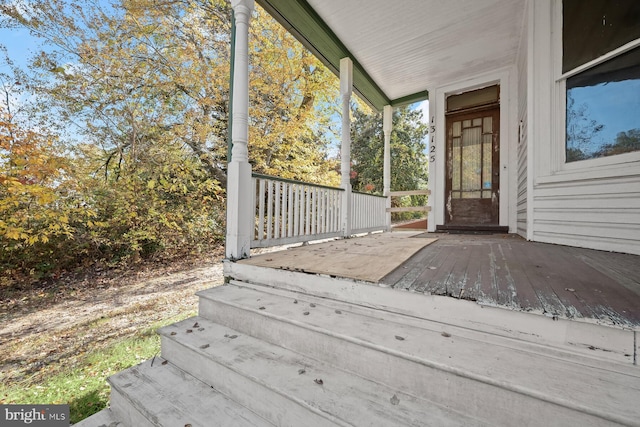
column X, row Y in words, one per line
column 288, row 211
column 368, row 213
column 410, row 208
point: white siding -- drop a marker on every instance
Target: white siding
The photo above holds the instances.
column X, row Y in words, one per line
column 596, row 213
column 521, row 198
column 593, row 203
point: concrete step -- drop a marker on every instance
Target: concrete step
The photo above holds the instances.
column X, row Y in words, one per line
column 502, row 380
column 291, row 389
column 157, row 393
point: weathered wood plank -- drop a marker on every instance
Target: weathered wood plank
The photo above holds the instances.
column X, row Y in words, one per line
column 519, row 266
column 473, row 285
column 425, row 276
column 602, row 296
column 622, row 268
column 458, row 276
column 505, row 270
column 405, row 276
column 436, row 276
column 578, row 280
column 506, row 286
column 543, row 274
column 502, row 270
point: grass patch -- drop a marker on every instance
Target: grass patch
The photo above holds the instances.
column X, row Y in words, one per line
column 83, row 384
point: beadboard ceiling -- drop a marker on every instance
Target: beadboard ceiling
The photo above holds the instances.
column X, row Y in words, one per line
column 408, row 46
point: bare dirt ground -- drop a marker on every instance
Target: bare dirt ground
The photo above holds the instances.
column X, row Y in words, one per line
column 64, row 318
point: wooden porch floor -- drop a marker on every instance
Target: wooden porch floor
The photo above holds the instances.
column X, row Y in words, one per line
column 507, row 271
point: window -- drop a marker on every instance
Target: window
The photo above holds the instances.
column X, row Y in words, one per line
column 474, row 99
column 603, row 101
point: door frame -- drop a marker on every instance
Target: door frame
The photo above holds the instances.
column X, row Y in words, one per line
column 507, row 79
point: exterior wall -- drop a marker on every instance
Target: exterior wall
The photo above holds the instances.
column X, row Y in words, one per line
column 592, row 203
column 522, row 158
column 507, row 79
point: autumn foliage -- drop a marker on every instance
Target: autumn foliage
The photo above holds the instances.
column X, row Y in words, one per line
column 35, row 213
column 114, row 142
column 114, row 136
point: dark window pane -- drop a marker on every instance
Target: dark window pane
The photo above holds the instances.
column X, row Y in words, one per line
column 475, row 98
column 592, row 28
column 603, row 109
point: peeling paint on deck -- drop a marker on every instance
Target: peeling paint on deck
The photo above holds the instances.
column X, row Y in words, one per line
column 507, row 271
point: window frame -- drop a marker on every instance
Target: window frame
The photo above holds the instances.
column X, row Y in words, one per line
column 559, row 153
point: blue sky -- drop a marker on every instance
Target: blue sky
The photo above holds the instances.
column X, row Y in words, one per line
column 19, row 43
column 616, row 105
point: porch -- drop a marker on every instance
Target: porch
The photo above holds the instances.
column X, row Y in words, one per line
column 398, row 329
column 500, row 270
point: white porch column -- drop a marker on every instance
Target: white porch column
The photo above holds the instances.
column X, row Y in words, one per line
column 239, row 212
column 346, row 88
column 387, row 126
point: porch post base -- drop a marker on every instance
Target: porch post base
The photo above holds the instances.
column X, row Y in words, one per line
column 239, row 212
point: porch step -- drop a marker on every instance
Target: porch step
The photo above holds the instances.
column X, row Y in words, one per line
column 157, row 393
column 501, row 380
column 616, row 344
column 290, row 389
column 472, row 229
column 104, row 418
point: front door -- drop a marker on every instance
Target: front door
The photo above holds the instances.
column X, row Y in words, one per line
column 473, row 172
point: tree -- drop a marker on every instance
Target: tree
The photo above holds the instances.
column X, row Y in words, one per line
column 30, row 175
column 293, row 97
column 143, row 72
column 146, row 70
column 136, row 92
column 408, row 154
column 625, row 142
column 408, row 145
column 141, row 85
column 581, row 131
column 38, row 203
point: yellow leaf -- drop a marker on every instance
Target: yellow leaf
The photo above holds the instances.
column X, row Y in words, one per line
column 12, row 233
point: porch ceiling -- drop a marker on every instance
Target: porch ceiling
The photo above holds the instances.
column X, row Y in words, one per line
column 401, row 48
